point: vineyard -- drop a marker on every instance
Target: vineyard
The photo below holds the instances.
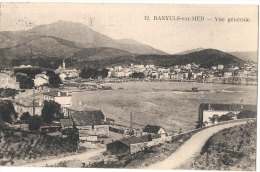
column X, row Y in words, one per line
column 19, row 148
column 231, row 149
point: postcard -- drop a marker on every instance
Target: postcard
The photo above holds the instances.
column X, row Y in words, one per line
column 128, row 86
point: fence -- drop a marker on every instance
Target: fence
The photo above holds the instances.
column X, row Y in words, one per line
column 138, row 147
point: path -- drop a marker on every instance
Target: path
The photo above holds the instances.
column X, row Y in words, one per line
column 83, row 156
column 190, row 148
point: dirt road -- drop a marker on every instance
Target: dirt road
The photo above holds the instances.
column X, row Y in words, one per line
column 83, row 156
column 190, row 148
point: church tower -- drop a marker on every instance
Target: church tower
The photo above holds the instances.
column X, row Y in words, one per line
column 63, row 64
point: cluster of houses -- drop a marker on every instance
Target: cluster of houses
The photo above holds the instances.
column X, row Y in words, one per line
column 184, row 72
column 66, row 73
column 8, row 77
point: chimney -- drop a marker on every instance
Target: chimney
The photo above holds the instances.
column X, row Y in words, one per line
column 80, row 103
column 209, row 107
column 58, row 93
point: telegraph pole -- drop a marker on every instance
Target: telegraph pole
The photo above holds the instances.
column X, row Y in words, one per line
column 131, row 120
column 33, row 101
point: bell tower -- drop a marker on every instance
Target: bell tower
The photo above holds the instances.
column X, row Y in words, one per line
column 63, row 64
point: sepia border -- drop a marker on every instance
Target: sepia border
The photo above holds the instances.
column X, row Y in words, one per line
column 254, row 2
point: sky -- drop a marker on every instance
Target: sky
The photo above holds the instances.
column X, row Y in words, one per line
column 120, row 21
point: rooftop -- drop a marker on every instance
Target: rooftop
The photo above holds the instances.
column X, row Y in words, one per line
column 57, row 94
column 152, row 129
column 85, row 118
column 66, row 122
column 227, row 107
column 131, row 140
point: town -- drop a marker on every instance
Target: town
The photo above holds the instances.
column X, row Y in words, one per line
column 35, row 99
column 133, row 86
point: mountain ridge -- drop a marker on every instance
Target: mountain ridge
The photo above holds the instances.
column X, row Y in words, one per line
column 82, row 45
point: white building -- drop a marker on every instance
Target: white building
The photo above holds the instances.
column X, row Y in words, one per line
column 8, row 81
column 41, row 79
column 214, row 67
column 70, row 73
column 220, row 66
column 62, row 76
column 63, row 98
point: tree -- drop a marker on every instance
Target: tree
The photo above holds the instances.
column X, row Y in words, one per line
column 138, row 75
column 7, row 112
column 51, row 110
column 25, row 82
column 93, row 73
column 55, row 81
column 35, row 122
column 246, row 114
column 104, row 73
column 189, row 75
column 25, row 116
column 224, row 118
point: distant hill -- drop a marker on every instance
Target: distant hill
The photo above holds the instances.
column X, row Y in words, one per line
column 66, row 40
column 205, row 58
column 246, row 55
column 47, row 45
column 190, row 51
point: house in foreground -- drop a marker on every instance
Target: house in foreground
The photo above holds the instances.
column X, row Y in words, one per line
column 155, row 130
column 131, row 145
column 208, row 111
column 125, row 145
column 88, row 122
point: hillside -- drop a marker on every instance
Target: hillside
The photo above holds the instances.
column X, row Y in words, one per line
column 47, row 44
column 205, row 58
column 80, row 36
column 231, row 149
column 190, row 51
column 246, row 55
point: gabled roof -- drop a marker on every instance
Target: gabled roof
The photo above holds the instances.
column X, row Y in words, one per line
column 227, row 107
column 152, row 129
column 66, row 122
column 131, row 140
column 85, row 118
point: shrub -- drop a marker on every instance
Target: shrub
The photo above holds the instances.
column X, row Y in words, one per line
column 246, row 114
column 25, row 116
column 35, row 122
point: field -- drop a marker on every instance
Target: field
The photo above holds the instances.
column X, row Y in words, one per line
column 157, row 103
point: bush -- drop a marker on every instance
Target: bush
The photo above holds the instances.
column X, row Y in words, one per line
column 25, row 116
column 35, row 122
column 247, row 114
column 7, row 112
column 51, row 110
